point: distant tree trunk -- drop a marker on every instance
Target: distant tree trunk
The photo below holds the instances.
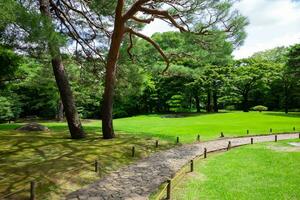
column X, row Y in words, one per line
column 62, row 82
column 286, row 99
column 208, row 104
column 245, row 102
column 215, row 101
column 197, row 103
column 60, row 111
column 113, row 54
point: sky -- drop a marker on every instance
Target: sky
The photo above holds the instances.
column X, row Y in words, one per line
column 272, row 23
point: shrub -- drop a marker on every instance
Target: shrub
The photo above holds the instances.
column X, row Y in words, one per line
column 175, row 103
column 260, row 108
column 230, row 107
column 9, row 109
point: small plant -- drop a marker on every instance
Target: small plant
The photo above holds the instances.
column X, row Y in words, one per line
column 260, row 108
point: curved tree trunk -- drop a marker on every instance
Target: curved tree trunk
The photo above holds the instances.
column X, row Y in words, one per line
column 107, row 105
column 62, row 82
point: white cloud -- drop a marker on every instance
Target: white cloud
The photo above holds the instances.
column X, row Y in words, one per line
column 272, row 23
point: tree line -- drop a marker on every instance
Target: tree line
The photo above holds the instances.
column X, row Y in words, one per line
column 73, row 57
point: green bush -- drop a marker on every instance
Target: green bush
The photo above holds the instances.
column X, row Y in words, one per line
column 176, row 103
column 230, row 107
column 9, row 109
column 260, row 108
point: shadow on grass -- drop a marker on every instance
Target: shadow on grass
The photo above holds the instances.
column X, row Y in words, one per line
column 60, row 164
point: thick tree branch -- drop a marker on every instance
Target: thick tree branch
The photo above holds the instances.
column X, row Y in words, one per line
column 146, row 21
column 153, row 43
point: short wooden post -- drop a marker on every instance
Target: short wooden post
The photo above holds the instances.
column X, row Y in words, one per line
column 198, row 138
column 177, row 140
column 229, row 145
column 133, row 151
column 156, row 143
column 247, row 132
column 205, row 153
column 96, row 166
column 299, row 135
column 32, row 190
column 275, row 138
column 192, row 165
column 271, row 130
column 251, row 140
column 222, row 134
column 169, row 188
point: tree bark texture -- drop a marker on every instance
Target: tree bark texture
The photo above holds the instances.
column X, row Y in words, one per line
column 62, row 82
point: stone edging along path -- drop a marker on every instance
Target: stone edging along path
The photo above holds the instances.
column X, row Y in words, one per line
column 138, row 180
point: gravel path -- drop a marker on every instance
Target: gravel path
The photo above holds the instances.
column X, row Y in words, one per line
column 137, row 181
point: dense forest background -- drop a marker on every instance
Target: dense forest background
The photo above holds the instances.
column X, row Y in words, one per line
column 203, row 77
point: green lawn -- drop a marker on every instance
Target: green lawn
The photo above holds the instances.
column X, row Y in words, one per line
column 53, row 158
column 259, row 171
column 208, row 126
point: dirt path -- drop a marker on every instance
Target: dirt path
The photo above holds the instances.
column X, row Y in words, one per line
column 137, row 181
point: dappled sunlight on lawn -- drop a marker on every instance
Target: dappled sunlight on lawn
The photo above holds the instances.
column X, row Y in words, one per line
column 60, row 164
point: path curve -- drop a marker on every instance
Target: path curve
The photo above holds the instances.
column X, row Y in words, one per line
column 138, row 180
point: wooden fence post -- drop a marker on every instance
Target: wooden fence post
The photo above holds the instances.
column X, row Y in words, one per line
column 169, row 189
column 205, row 153
column 229, row 145
column 32, row 190
column 96, row 166
column 177, row 140
column 156, row 143
column 198, row 138
column 133, row 151
column 251, row 140
column 275, row 138
column 192, row 165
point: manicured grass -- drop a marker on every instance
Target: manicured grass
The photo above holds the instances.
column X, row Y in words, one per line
column 259, row 171
column 55, row 159
column 209, row 126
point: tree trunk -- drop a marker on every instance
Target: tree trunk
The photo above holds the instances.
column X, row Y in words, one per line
column 215, row 101
column 60, row 111
column 245, row 103
column 197, row 103
column 208, row 105
column 62, row 82
column 286, row 99
column 107, row 105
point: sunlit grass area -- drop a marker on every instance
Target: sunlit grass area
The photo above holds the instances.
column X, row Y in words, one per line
column 209, row 126
column 259, row 171
column 62, row 165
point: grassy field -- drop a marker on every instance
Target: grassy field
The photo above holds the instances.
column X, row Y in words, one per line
column 260, row 171
column 208, row 126
column 52, row 158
